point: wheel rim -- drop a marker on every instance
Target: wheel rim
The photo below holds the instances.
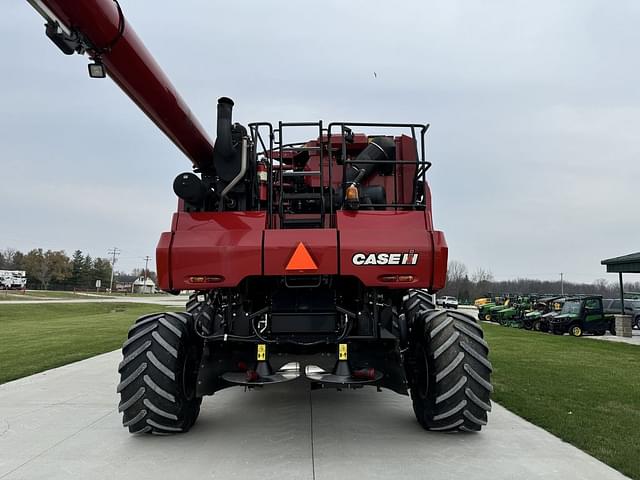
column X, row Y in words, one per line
column 577, row 331
column 487, row 317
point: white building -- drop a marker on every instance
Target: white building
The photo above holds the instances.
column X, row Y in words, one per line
column 140, row 286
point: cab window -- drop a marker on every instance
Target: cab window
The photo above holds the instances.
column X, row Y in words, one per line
column 592, row 304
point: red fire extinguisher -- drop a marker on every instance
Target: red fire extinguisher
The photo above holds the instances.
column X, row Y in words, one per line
column 261, row 170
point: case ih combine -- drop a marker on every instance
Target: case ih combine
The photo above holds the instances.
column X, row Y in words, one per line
column 307, row 258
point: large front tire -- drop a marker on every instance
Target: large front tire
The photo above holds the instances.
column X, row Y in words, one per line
column 447, row 368
column 158, row 375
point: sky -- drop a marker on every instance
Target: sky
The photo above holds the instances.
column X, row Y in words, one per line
column 534, row 110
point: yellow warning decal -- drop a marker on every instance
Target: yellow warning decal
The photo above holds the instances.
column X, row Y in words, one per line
column 342, row 351
column 262, row 352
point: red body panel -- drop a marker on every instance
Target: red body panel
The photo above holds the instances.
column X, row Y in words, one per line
column 236, row 245
column 131, row 66
column 225, row 244
column 322, row 245
column 440, row 260
column 391, row 233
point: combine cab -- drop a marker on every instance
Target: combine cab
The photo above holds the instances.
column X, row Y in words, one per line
column 310, row 249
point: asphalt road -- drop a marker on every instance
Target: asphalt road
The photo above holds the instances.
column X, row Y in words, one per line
column 63, row 424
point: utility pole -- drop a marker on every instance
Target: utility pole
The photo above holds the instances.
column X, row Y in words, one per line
column 561, row 283
column 113, row 252
column 146, row 262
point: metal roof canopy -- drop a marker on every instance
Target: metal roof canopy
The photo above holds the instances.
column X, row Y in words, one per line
column 624, row 264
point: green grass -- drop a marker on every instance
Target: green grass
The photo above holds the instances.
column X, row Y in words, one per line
column 586, row 392
column 34, row 338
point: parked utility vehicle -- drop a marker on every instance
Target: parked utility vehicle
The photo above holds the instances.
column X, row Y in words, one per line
column 582, row 315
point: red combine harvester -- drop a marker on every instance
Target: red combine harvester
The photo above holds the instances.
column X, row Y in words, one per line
column 310, row 258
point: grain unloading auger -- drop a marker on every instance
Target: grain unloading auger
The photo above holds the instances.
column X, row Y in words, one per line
column 311, row 259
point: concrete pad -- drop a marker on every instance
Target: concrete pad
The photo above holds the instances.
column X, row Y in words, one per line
column 633, row 340
column 63, row 424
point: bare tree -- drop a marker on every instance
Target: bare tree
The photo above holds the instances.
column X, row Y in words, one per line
column 456, row 271
column 7, row 258
column 481, row 275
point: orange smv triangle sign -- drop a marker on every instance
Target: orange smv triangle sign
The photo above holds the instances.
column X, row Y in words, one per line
column 301, row 260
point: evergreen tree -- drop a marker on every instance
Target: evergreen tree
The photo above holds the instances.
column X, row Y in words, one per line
column 77, row 263
column 101, row 271
column 87, row 273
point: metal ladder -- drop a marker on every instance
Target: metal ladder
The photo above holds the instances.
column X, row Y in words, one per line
column 299, row 220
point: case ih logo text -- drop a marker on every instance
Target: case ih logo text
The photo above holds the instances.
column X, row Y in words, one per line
column 410, row 258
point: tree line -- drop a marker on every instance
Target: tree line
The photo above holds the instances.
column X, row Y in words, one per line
column 54, row 270
column 467, row 286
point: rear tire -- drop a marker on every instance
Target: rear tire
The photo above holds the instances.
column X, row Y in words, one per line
column 447, row 368
column 158, row 375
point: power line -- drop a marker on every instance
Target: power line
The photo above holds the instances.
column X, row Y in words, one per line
column 146, row 263
column 113, row 252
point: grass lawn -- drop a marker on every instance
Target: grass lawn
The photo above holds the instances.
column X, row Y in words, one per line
column 38, row 337
column 586, row 392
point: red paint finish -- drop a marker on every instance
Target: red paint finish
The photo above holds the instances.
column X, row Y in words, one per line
column 133, row 69
column 389, row 232
column 163, row 265
column 280, row 245
column 440, row 259
column 235, row 245
column 225, row 244
column 428, row 216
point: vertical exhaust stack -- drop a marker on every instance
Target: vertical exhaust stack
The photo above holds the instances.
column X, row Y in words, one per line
column 224, row 145
column 227, row 150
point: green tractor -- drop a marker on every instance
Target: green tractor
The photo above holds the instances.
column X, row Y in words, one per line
column 582, row 315
column 483, row 309
column 543, row 310
column 490, row 314
column 514, row 315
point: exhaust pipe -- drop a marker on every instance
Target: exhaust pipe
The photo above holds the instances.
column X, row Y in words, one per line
column 224, row 144
column 227, row 150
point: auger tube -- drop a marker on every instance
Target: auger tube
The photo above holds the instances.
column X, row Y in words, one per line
column 100, row 28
